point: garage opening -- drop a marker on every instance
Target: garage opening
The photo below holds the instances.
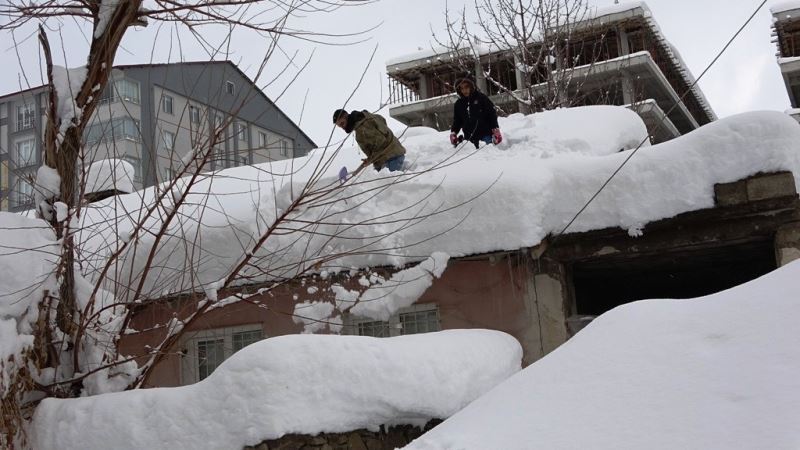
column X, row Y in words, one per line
column 607, row 282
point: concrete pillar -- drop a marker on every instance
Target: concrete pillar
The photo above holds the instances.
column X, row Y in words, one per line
column 545, row 304
column 787, row 243
column 622, row 42
column 423, row 86
column 480, row 79
column 628, row 87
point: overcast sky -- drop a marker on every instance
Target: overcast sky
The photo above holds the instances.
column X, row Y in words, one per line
column 746, row 78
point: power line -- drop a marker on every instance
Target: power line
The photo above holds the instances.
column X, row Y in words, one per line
column 661, row 122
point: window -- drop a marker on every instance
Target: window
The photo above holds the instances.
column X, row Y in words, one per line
column 284, row 148
column 168, row 139
column 262, row 139
column 415, row 319
column 121, row 90
column 166, row 104
column 169, row 173
column 208, row 349
column 26, row 116
column 23, row 195
column 194, row 114
column 120, row 128
column 210, row 354
column 26, row 153
column 374, row 329
column 127, row 90
column 230, row 88
column 419, row 321
column 243, row 160
column 241, row 131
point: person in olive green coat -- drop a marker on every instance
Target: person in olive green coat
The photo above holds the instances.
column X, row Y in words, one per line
column 373, row 136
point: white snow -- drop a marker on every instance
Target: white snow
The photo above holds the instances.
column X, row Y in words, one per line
column 313, row 315
column 48, row 186
column 403, row 289
column 67, row 84
column 788, row 60
column 529, row 186
column 108, row 174
column 785, row 6
column 107, row 8
column 717, row 372
column 597, row 13
column 291, row 384
column 28, row 257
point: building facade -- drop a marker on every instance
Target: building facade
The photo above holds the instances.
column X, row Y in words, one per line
column 541, row 295
column 786, row 35
column 152, row 115
column 621, row 58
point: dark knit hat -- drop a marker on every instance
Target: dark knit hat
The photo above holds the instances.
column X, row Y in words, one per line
column 338, row 113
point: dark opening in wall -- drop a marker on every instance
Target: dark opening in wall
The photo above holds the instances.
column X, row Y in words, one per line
column 607, row 282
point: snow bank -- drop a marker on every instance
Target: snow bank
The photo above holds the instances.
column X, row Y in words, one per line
column 291, row 384
column 108, row 174
column 718, row 372
column 28, row 257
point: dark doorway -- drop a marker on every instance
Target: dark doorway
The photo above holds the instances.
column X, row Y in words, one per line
column 607, row 282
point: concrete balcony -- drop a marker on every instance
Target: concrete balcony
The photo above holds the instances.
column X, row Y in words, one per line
column 637, row 71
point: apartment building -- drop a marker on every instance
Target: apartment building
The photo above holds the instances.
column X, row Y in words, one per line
column 786, row 35
column 621, row 58
column 152, row 115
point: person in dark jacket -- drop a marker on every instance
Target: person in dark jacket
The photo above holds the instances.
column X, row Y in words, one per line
column 374, row 137
column 474, row 113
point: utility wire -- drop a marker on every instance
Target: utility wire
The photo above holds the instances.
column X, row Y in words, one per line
column 661, row 122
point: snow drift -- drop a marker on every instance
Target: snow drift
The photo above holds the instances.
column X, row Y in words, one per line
column 717, row 372
column 291, row 384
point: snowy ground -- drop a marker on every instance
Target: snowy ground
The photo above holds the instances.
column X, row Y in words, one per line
column 291, row 384
column 717, row 372
column 529, row 186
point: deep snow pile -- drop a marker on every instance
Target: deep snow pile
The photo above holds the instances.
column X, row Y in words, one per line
column 291, row 384
column 717, row 372
column 530, row 186
column 108, row 174
column 28, row 257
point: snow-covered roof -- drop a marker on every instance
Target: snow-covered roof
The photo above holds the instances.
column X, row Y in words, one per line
column 529, row 186
column 785, row 6
column 291, row 384
column 718, row 372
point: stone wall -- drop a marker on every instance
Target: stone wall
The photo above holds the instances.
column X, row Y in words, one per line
column 385, row 439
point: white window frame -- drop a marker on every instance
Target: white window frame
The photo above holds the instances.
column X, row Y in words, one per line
column 32, row 160
column 395, row 325
column 190, row 371
column 194, row 114
column 230, row 87
column 169, row 173
column 262, row 140
column 26, row 116
column 23, row 196
column 169, row 143
column 240, row 128
column 167, row 104
column 284, row 148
